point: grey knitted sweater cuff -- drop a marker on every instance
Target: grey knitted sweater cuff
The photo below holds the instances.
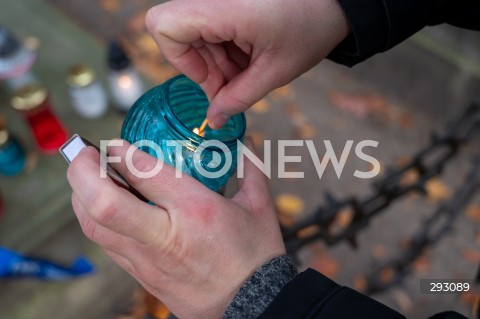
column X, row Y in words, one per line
column 261, row 288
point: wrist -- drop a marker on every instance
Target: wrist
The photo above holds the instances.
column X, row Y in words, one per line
column 261, row 288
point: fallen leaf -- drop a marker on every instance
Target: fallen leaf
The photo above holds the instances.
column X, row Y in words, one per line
column 261, row 107
column 309, row 231
column 360, row 283
column 283, row 93
column 342, row 220
column 405, row 244
column 326, row 265
column 111, row 6
column 387, row 275
column 147, row 44
column 472, row 255
column 437, row 191
column 289, row 205
column 409, row 177
column 156, row 308
column 285, row 221
column 360, row 105
column 136, row 24
column 257, row 138
column 402, row 161
column 405, row 121
column 305, row 132
column 473, row 212
column 292, row 109
column 421, row 264
column 308, row 75
column 379, row 251
column 471, row 299
column 403, row 300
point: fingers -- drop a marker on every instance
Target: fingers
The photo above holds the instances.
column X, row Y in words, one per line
column 112, row 206
column 253, row 187
column 182, row 36
column 175, row 32
column 104, row 237
column 153, row 178
column 248, row 87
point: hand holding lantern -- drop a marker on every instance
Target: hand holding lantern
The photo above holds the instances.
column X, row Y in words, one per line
column 168, row 116
column 240, row 51
column 195, row 248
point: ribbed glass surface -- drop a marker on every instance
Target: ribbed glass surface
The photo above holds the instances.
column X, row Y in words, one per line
column 170, row 112
column 12, row 158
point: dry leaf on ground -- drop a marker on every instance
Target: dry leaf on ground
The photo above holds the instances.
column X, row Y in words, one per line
column 387, row 275
column 283, row 93
column 359, row 104
column 257, row 138
column 261, row 107
column 342, row 220
column 403, row 300
column 136, row 24
column 473, row 212
column 111, row 6
column 326, row 265
column 402, row 161
column 379, row 251
column 437, row 191
column 422, row 264
column 472, row 300
column 360, row 283
column 286, row 221
column 409, row 177
column 289, row 205
column 472, row 255
column 305, row 132
column 309, row 231
column 156, row 308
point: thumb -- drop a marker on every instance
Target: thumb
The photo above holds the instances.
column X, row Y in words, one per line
column 253, row 185
column 238, row 95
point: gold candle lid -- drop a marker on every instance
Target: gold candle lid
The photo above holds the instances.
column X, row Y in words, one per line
column 3, row 131
column 29, row 97
column 80, row 76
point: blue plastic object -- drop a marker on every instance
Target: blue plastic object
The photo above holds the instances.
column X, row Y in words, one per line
column 16, row 265
column 167, row 116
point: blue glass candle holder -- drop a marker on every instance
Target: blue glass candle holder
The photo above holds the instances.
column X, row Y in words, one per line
column 12, row 155
column 167, row 116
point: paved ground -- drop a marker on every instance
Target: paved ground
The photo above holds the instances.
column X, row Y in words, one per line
column 418, row 87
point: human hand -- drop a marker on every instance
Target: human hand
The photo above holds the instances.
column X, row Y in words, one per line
column 194, row 249
column 240, row 50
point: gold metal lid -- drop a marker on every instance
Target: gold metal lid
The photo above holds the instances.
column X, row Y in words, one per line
column 80, row 75
column 3, row 131
column 29, row 97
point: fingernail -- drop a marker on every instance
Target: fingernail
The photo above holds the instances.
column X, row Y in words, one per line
column 219, row 121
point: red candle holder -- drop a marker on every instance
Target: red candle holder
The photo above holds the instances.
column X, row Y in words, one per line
column 33, row 103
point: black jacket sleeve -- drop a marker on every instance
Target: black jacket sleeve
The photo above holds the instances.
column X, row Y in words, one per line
column 313, row 296
column 378, row 25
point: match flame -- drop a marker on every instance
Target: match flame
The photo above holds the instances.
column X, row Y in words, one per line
column 201, row 131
